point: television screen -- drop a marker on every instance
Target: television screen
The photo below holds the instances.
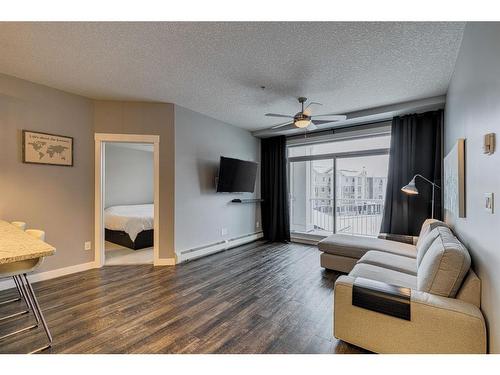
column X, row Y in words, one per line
column 236, row 176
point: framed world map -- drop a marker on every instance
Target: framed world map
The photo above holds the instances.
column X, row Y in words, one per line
column 44, row 148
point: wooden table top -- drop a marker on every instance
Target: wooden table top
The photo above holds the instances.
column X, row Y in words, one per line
column 16, row 245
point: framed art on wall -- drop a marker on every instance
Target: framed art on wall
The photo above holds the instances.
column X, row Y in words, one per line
column 454, row 180
column 44, row 148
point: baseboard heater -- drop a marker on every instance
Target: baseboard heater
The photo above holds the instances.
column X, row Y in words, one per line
column 216, row 247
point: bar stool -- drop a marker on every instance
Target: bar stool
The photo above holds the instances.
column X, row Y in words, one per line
column 18, row 271
column 21, row 225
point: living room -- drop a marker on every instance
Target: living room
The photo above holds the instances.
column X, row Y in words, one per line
column 338, row 198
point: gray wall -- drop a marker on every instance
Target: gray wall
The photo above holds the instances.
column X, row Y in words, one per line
column 60, row 200
column 129, row 175
column 154, row 119
column 56, row 199
column 472, row 110
column 200, row 212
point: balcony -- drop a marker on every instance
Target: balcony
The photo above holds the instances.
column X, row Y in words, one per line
column 361, row 217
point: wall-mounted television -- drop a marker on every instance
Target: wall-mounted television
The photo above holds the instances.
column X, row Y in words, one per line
column 236, row 176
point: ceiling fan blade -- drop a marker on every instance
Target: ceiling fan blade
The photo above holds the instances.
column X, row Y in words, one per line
column 312, row 127
column 281, row 125
column 333, row 116
column 307, row 110
column 322, row 122
column 277, row 115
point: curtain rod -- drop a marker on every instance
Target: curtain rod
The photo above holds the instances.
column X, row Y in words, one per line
column 341, row 129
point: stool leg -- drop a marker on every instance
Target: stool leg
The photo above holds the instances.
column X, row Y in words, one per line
column 38, row 311
column 24, row 292
column 19, row 313
column 18, row 288
column 13, row 299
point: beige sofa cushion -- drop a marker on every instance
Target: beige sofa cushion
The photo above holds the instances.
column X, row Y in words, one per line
column 337, row 262
column 428, row 225
column 470, row 291
column 427, row 236
column 390, row 261
column 356, row 246
column 444, row 265
column 424, row 242
column 384, row 275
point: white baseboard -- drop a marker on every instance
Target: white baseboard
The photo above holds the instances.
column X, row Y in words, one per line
column 216, row 247
column 165, row 262
column 9, row 283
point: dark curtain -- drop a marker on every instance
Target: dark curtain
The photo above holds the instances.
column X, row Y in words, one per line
column 274, row 191
column 415, row 148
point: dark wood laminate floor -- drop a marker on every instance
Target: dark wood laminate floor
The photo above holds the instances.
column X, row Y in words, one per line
column 258, row 298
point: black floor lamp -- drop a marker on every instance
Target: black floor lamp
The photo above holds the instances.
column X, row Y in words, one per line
column 411, row 189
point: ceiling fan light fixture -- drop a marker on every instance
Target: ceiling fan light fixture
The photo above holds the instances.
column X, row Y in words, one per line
column 304, row 118
column 303, row 123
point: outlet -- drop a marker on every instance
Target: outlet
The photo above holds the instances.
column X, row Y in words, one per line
column 223, row 231
column 88, row 245
column 257, row 224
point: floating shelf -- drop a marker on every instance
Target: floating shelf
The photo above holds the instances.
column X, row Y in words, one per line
column 245, row 201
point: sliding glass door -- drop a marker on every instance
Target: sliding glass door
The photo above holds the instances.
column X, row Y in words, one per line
column 311, row 196
column 360, row 186
column 338, row 192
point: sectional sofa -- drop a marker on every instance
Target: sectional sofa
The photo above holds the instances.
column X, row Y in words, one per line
column 415, row 296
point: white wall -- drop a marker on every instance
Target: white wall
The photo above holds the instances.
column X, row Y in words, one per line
column 200, row 212
column 472, row 110
column 129, row 175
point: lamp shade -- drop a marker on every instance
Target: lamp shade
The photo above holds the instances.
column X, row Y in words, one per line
column 410, row 189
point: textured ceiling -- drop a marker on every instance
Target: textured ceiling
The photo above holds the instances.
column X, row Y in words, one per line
column 217, row 68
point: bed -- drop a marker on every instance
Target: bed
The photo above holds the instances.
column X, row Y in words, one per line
column 130, row 225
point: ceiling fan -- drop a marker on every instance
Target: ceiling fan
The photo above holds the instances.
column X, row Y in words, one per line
column 304, row 118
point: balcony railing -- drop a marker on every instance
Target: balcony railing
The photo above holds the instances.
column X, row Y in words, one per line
column 353, row 216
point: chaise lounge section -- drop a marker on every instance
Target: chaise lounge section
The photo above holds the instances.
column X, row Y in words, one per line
column 341, row 252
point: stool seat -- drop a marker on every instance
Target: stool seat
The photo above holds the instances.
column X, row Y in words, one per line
column 20, row 267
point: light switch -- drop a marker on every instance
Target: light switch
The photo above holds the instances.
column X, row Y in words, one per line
column 488, row 202
column 489, row 143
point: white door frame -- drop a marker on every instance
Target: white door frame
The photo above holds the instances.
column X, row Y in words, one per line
column 100, row 139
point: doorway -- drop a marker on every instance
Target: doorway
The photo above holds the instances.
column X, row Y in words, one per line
column 126, row 199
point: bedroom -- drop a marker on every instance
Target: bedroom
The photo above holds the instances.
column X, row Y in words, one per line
column 128, row 203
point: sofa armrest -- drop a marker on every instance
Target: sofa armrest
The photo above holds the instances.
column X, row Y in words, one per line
column 381, row 297
column 438, row 324
column 412, row 240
